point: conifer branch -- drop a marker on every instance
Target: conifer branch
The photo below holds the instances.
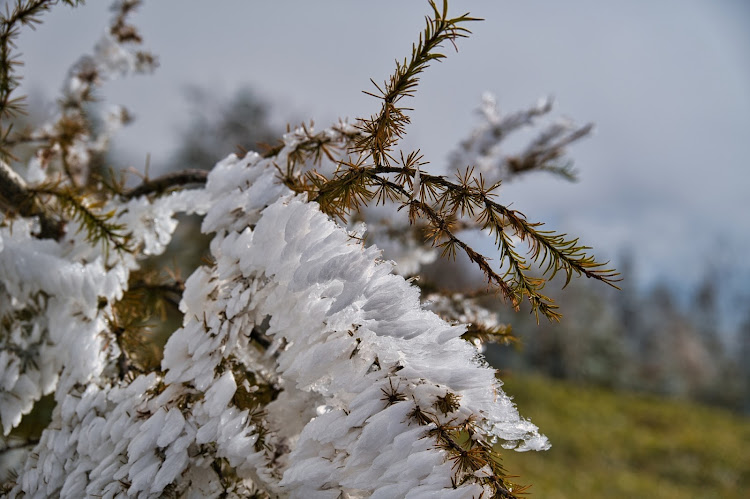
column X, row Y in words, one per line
column 501, row 334
column 544, row 152
column 23, row 13
column 551, row 250
column 356, row 184
column 245, row 334
column 474, row 459
column 16, row 197
column 382, row 131
column 98, row 227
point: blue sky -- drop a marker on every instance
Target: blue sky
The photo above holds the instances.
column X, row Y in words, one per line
column 667, row 84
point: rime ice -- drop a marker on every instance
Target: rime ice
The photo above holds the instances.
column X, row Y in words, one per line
column 368, row 388
column 348, row 330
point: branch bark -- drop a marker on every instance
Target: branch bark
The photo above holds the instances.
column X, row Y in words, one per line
column 161, row 184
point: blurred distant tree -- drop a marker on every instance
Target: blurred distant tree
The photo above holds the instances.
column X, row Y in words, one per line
column 636, row 339
column 590, row 346
column 742, row 362
column 241, row 123
column 705, row 313
column 628, row 306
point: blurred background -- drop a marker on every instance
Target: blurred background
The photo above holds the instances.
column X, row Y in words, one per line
column 643, row 391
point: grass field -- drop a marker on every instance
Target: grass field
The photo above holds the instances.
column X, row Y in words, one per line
column 607, row 444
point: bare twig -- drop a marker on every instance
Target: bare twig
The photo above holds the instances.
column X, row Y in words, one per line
column 27, row 139
column 165, row 182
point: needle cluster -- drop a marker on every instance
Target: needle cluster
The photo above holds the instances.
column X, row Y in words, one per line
column 17, row 14
column 373, row 172
column 381, row 131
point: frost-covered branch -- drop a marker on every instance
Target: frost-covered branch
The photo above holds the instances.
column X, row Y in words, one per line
column 22, row 13
column 70, row 140
column 15, row 197
column 303, row 366
column 341, row 305
column 382, row 131
column 483, row 147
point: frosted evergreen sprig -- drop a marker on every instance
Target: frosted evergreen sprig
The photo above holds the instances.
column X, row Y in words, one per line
column 98, row 224
column 482, row 326
column 22, row 13
column 546, row 151
column 220, row 305
column 483, row 148
column 67, row 144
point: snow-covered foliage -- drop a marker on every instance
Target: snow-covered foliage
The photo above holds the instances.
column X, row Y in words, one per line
column 70, row 140
column 359, row 367
column 306, row 365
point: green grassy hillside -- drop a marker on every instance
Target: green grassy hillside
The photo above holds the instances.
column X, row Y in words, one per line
column 607, row 444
